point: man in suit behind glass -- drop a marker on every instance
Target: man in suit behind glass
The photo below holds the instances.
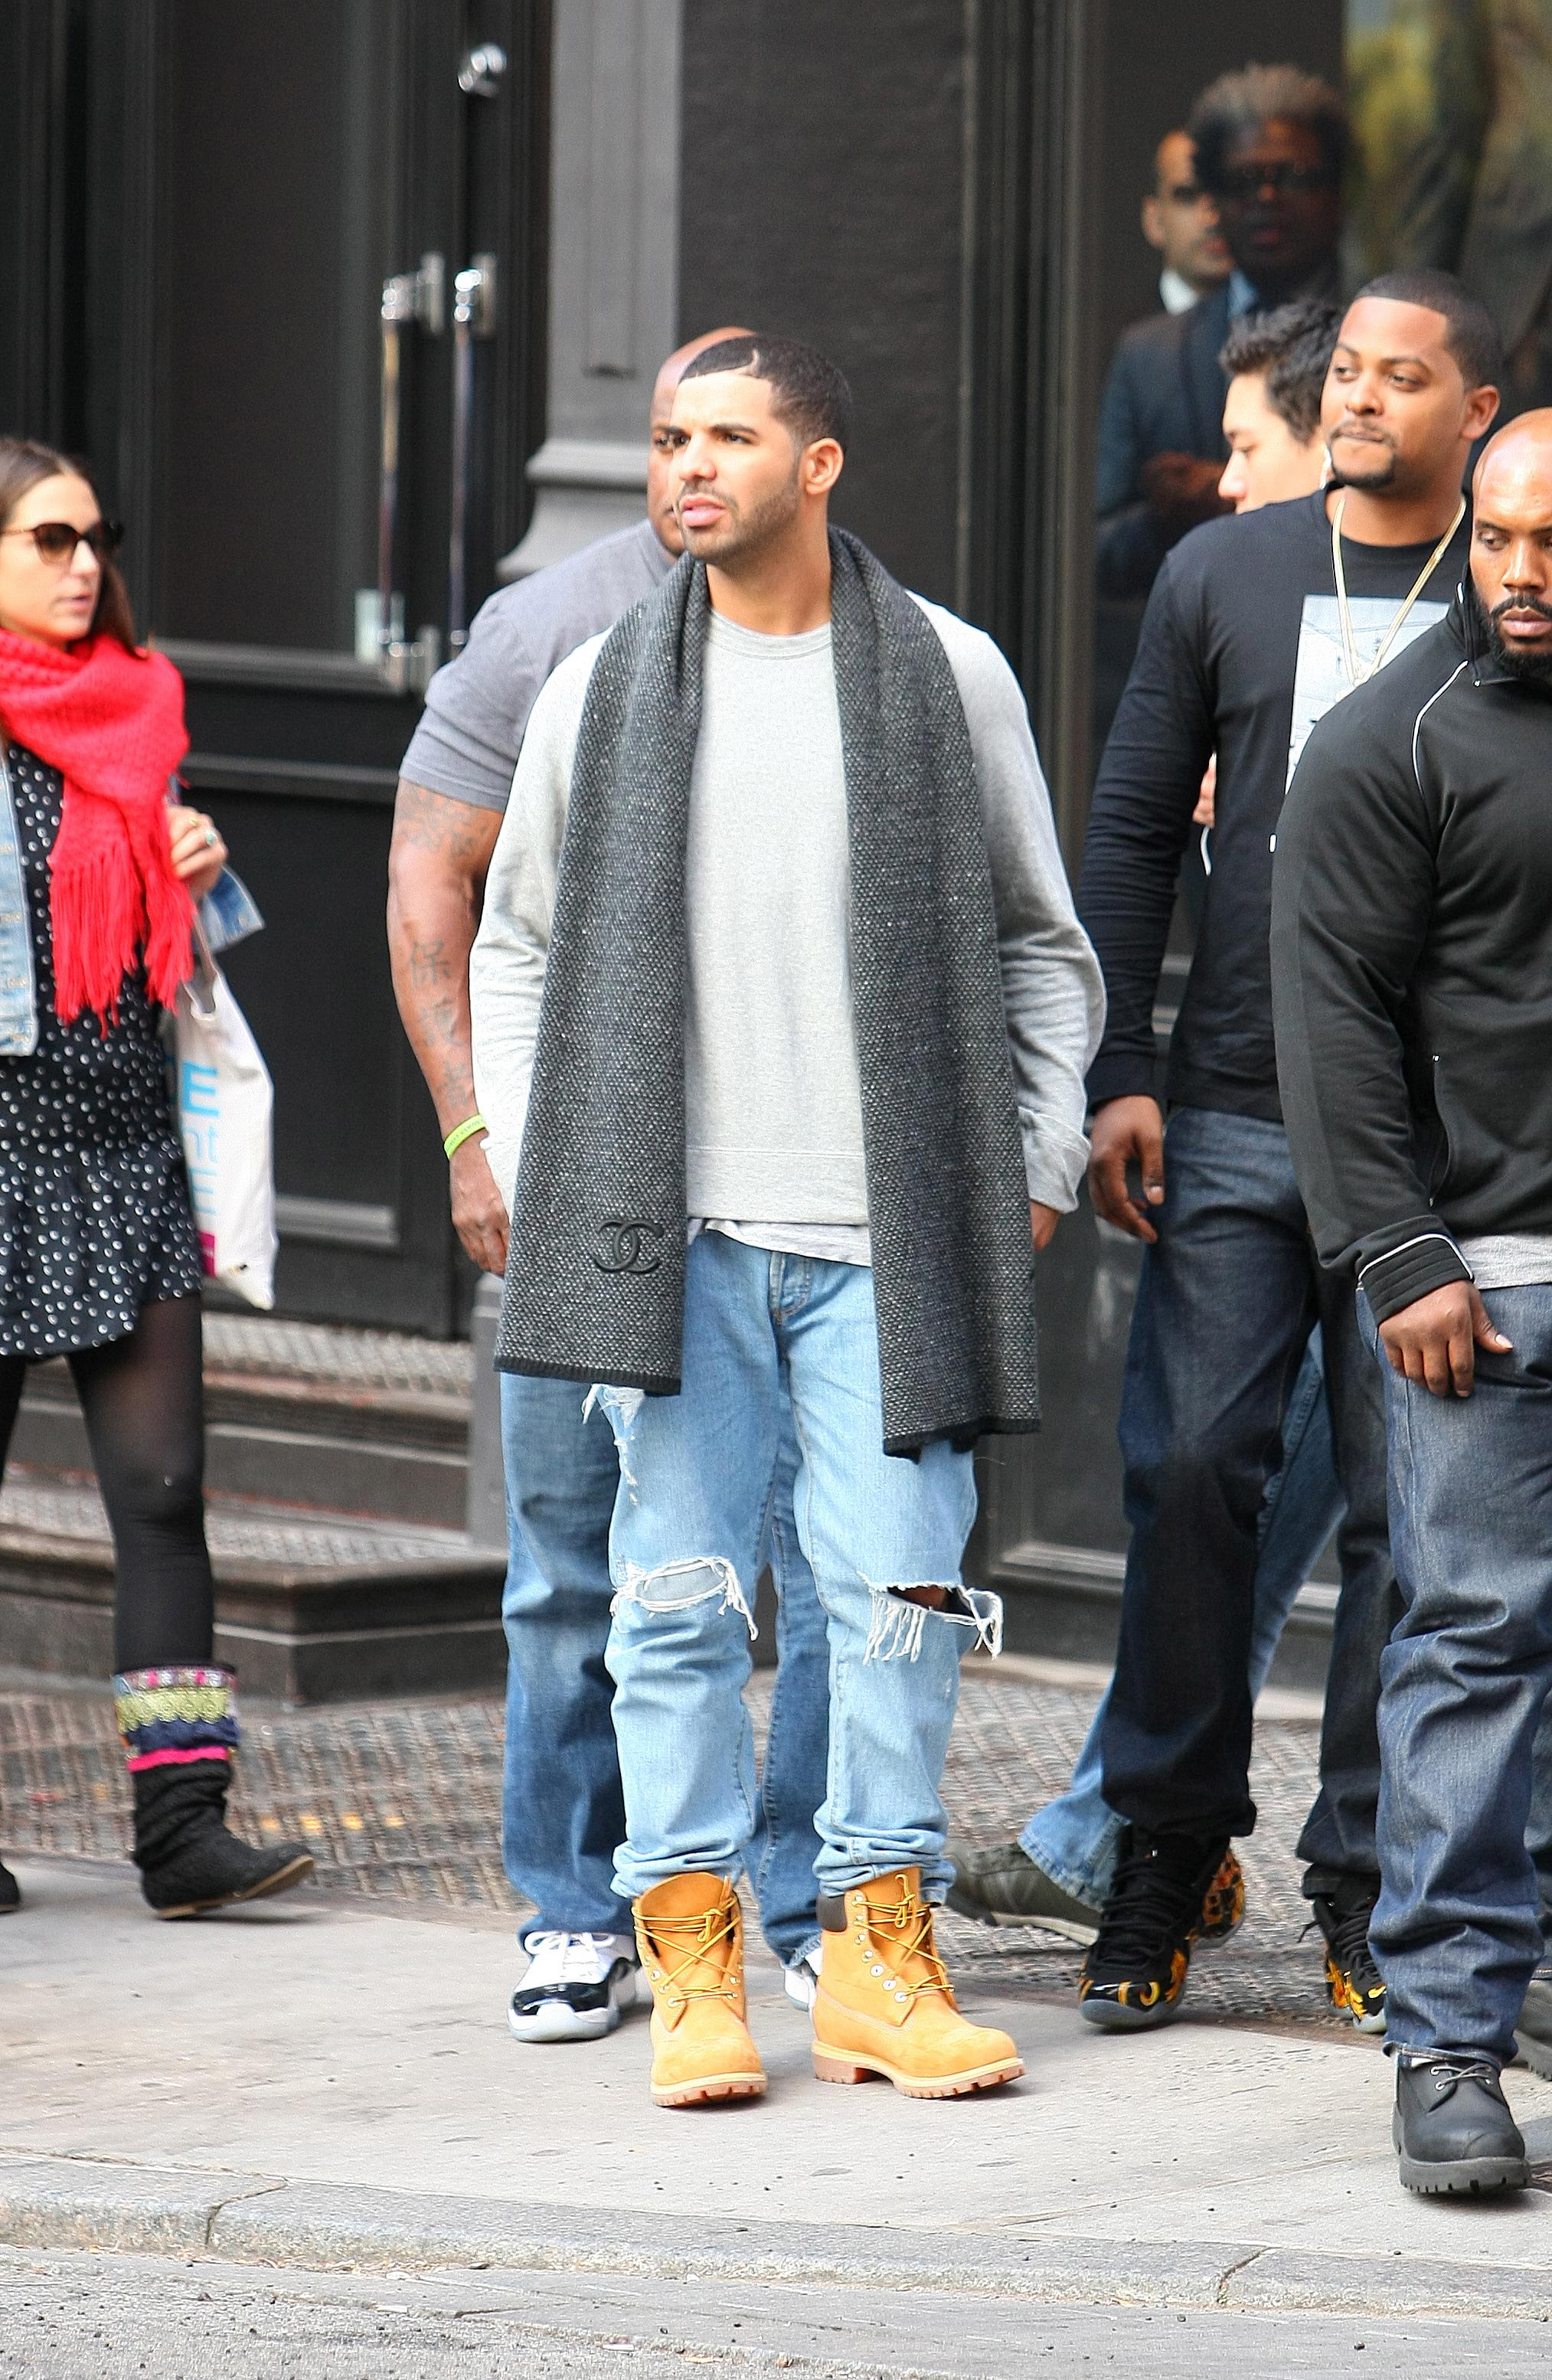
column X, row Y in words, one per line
column 1269, row 145
column 1181, row 222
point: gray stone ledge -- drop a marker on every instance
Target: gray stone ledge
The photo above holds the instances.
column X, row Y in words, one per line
column 366, row 2226
column 1293, row 2281
column 68, row 2202
column 129, row 2210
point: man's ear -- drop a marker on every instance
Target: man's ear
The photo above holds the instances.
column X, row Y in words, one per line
column 1153, row 221
column 823, row 463
column 1482, row 405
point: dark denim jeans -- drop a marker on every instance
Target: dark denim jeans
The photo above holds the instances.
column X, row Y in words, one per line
column 1228, row 1299
column 563, row 1811
column 1465, row 1688
column 1076, row 1837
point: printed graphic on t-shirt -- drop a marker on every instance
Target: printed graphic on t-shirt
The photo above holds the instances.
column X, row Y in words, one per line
column 1321, row 679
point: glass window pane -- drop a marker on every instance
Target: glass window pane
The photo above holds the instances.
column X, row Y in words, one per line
column 1452, row 109
column 276, row 212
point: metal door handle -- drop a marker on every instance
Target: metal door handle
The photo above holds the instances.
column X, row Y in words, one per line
column 406, row 298
column 474, row 317
column 482, row 70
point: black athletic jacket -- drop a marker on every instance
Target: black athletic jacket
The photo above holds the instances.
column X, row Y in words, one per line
column 1412, row 966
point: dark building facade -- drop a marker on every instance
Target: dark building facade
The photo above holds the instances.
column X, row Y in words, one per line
column 360, row 299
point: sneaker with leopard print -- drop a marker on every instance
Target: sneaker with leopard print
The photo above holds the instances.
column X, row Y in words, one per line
column 1135, row 1976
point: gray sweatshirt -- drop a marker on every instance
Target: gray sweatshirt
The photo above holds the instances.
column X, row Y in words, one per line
column 774, row 1119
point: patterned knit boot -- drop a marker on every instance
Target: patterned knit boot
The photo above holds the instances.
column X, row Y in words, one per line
column 179, row 1728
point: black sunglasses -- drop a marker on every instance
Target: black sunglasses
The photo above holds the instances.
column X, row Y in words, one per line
column 1286, row 180
column 57, row 541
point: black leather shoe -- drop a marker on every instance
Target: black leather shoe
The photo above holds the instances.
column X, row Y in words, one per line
column 1533, row 2035
column 10, row 1892
column 1453, row 2131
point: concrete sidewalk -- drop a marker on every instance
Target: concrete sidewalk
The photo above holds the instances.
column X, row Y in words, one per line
column 318, row 2084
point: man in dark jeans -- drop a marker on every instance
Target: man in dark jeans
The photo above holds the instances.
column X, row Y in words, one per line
column 1412, row 940
column 1256, row 625
column 563, row 1811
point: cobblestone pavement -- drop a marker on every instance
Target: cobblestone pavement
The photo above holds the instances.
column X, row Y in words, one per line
column 402, row 1801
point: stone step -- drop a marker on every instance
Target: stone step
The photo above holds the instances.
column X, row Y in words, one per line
column 382, row 1479
column 370, row 1423
column 312, row 1605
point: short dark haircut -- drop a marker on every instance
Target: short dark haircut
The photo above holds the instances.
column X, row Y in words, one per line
column 1292, row 348
column 808, row 393
column 1472, row 334
column 1243, row 102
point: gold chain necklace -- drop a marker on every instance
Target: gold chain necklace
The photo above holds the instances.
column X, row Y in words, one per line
column 1356, row 675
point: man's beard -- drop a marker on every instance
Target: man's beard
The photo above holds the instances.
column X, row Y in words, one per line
column 1535, row 668
column 1377, row 474
column 748, row 529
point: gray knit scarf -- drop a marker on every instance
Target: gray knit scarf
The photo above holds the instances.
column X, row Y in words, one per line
column 595, row 1276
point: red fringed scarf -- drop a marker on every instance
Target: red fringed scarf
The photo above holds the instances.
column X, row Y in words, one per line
column 111, row 722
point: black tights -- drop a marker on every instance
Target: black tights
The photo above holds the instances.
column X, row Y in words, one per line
column 143, row 1401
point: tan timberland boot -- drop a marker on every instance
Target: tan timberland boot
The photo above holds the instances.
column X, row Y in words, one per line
column 884, row 2004
column 690, row 1932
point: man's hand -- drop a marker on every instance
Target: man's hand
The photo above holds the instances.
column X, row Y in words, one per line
column 1182, row 491
column 1127, row 1131
column 479, row 1209
column 1433, row 1342
column 1043, row 1221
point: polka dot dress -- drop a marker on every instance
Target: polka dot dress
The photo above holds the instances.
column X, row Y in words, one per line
column 95, row 1217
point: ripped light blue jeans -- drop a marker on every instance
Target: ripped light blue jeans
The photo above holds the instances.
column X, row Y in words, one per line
column 768, row 1337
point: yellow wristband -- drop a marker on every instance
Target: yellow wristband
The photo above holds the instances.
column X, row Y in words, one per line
column 462, row 1131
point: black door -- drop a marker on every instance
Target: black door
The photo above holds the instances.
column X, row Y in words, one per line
column 248, row 259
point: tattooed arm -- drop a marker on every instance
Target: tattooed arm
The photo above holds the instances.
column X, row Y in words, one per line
column 437, row 866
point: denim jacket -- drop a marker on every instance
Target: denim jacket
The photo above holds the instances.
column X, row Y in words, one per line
column 227, row 914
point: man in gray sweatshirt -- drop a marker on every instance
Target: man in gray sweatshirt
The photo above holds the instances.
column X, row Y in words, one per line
column 785, row 1066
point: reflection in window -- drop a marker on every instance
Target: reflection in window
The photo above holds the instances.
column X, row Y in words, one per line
column 1451, row 103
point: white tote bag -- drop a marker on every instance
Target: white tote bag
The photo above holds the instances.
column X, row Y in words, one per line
column 225, row 1104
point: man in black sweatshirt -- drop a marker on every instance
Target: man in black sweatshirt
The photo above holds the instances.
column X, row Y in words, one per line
column 1256, row 625
column 1413, row 962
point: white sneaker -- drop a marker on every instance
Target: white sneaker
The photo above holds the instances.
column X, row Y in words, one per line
column 575, row 1986
column 802, row 1980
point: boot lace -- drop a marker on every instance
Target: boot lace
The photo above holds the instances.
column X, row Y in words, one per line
column 902, row 1930
column 1451, row 2070
column 1350, row 1949
column 1154, row 1901
column 681, row 1944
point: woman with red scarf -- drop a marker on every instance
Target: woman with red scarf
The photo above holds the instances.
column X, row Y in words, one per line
column 99, row 873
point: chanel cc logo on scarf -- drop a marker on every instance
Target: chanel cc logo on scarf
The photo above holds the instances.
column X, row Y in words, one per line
column 623, row 1236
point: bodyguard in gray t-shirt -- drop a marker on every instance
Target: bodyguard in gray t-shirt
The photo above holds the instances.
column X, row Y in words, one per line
column 563, row 1810
column 453, row 789
column 466, row 746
